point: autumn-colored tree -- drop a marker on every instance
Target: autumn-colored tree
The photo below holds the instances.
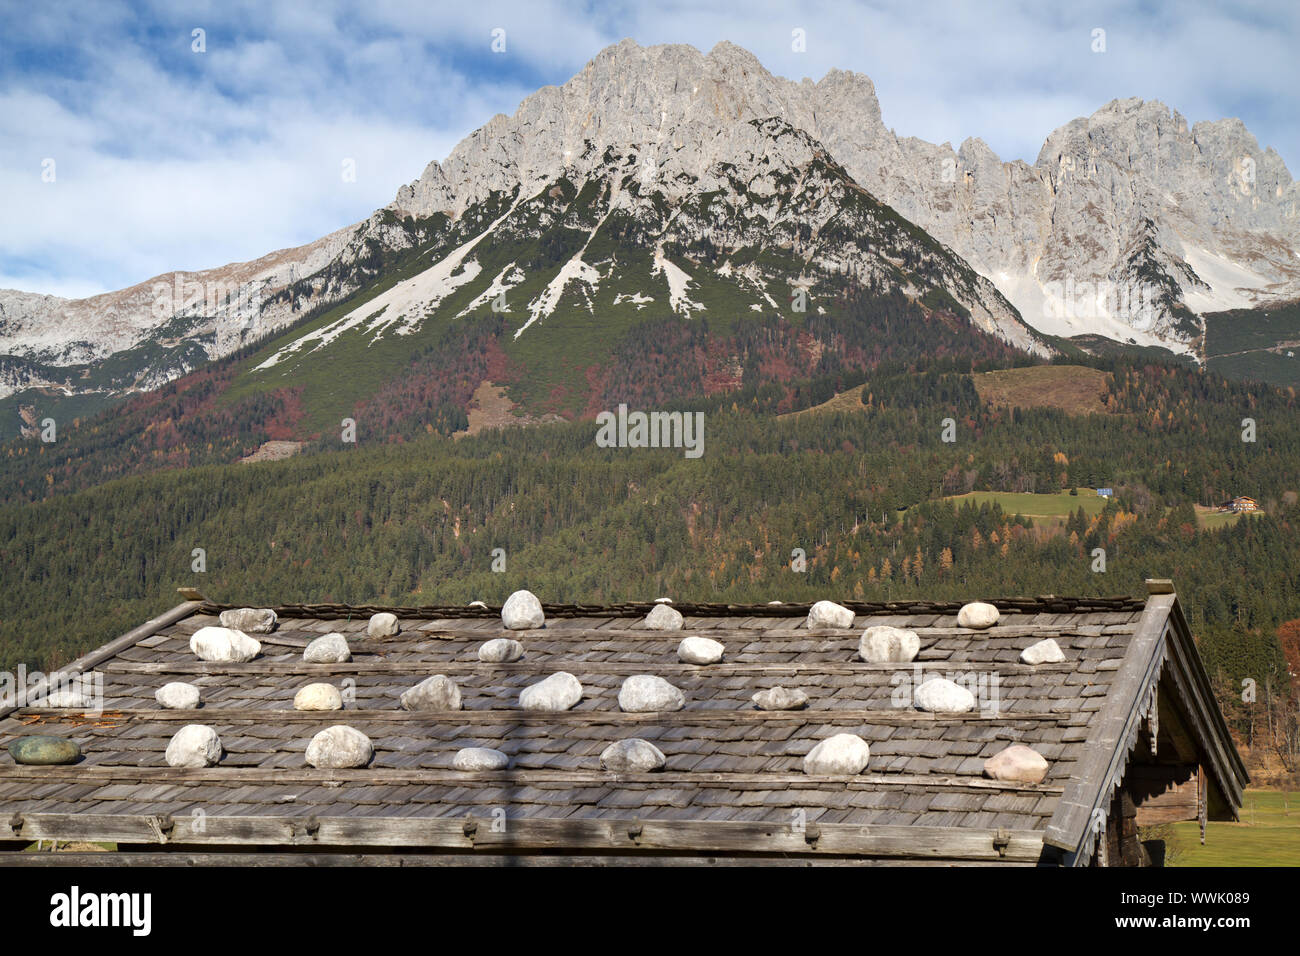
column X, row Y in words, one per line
column 1288, row 635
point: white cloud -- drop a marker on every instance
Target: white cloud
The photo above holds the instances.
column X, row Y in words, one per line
column 169, row 159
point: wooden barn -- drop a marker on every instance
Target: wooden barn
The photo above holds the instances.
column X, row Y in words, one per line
column 1241, row 503
column 1123, row 717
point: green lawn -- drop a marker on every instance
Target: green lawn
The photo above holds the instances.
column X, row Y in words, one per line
column 1215, row 519
column 1059, row 506
column 1037, row 506
column 1268, row 835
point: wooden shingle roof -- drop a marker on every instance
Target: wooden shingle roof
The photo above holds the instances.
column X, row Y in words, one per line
column 733, row 784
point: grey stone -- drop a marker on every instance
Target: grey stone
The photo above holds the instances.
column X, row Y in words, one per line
column 318, row 697
column 940, row 695
column 339, row 747
column 478, row 759
column 633, row 755
column 1044, row 652
column 700, row 650
column 250, row 620
column 888, row 645
column 177, row 695
column 645, row 693
column 841, row 755
column 194, row 745
column 977, row 615
column 780, row 698
column 829, row 614
column 560, row 691
column 1017, row 764
column 66, row 697
column 327, row 649
column 500, row 650
column 438, row 692
column 522, row 611
column 223, row 645
column 664, row 618
column 383, row 624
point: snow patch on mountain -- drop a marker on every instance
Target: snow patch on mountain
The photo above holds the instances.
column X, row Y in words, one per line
column 505, row 280
column 678, row 284
column 1056, row 314
column 405, row 305
column 636, row 298
column 1230, row 285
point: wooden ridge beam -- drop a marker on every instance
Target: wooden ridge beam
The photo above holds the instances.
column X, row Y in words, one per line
column 231, row 715
column 478, row 834
column 664, row 779
column 221, row 857
column 425, row 667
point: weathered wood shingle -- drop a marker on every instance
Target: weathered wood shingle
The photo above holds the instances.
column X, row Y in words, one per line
column 726, row 761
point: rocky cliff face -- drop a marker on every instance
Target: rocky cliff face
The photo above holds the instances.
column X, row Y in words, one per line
column 1128, row 223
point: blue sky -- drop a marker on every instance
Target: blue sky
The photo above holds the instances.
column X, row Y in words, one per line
column 166, row 158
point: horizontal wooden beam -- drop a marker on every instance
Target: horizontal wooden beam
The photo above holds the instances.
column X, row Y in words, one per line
column 250, row 776
column 848, row 637
column 426, row 667
column 687, row 717
column 191, row 858
column 486, row 834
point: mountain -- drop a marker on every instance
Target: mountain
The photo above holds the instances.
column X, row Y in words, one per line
column 662, row 182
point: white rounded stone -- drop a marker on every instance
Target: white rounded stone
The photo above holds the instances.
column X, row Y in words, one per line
column 1044, row 652
column 560, row 691
column 780, row 698
column 476, row 759
column 250, row 620
column 195, row 745
column 223, row 645
column 841, row 755
column 383, row 624
column 664, row 618
column 65, row 698
column 700, row 650
column 328, row 649
column 633, row 755
column 177, row 695
column 663, row 600
column 500, row 650
column 977, row 615
column 829, row 614
column 339, row 747
column 888, row 645
column 477, row 604
column 522, row 611
column 318, row 697
column 939, row 695
column 1017, row 764
column 645, row 693
column 438, row 692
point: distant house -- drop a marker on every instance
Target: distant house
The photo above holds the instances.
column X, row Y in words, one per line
column 1105, row 492
column 1239, row 504
column 1125, row 720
